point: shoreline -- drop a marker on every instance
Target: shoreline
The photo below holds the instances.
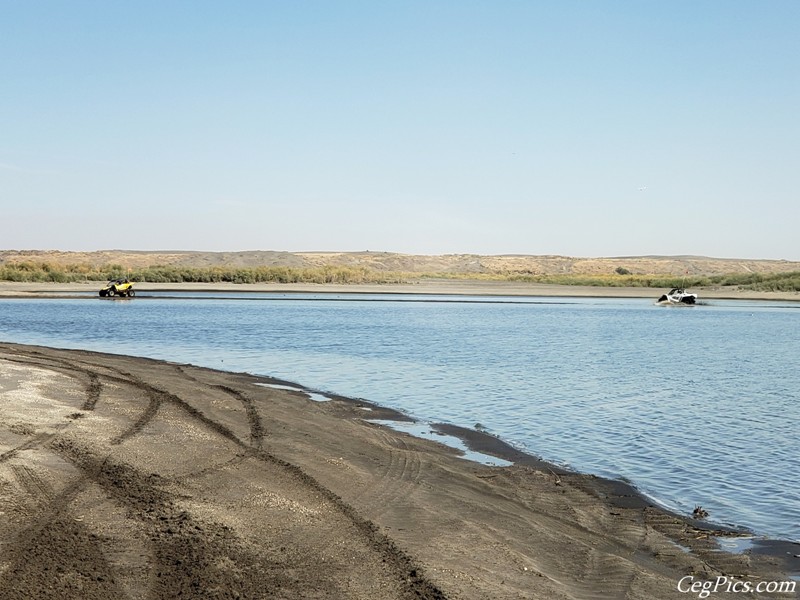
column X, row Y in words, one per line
column 444, row 287
column 617, row 492
column 408, row 488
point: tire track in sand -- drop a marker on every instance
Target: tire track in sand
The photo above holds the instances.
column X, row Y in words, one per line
column 191, row 556
column 399, row 477
column 253, row 416
column 175, row 534
column 36, row 441
column 55, row 552
column 254, row 420
column 94, row 386
column 89, row 378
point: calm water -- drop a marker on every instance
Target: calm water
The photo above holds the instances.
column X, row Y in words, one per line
column 695, row 405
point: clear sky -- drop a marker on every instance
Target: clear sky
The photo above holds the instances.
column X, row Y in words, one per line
column 585, row 128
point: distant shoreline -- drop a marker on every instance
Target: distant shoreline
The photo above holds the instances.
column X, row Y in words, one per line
column 425, row 287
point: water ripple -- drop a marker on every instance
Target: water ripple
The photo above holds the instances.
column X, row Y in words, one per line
column 695, row 406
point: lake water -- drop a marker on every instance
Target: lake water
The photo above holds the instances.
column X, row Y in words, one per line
column 694, row 405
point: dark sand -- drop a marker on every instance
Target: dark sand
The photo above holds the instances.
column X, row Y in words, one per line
column 137, row 479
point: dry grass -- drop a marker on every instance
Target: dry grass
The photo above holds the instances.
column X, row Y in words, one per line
column 384, row 267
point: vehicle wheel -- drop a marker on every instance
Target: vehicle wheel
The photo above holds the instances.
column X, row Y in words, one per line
column 111, row 292
column 131, row 293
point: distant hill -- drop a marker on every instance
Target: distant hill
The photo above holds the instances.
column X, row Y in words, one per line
column 448, row 264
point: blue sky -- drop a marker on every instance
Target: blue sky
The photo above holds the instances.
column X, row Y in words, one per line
column 591, row 128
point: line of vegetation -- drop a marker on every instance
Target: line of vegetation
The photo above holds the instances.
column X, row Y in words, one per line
column 774, row 282
column 46, row 272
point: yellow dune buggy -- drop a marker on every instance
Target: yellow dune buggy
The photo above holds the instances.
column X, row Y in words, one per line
column 118, row 287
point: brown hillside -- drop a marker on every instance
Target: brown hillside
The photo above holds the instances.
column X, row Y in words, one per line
column 410, row 263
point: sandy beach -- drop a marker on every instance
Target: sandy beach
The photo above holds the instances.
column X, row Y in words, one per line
column 131, row 478
column 454, row 287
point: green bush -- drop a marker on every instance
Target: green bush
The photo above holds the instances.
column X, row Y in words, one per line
column 45, row 272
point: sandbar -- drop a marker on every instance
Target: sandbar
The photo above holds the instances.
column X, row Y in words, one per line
column 454, row 287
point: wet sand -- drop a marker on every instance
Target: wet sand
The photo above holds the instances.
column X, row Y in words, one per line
column 424, row 286
column 132, row 478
